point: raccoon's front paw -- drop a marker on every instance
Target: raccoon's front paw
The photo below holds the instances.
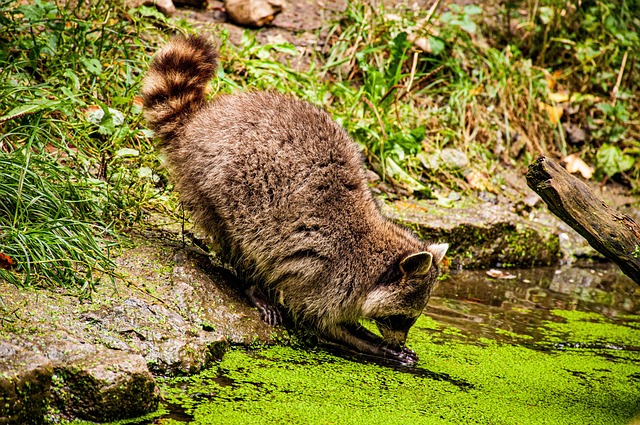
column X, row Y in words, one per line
column 270, row 314
column 403, row 355
column 407, row 356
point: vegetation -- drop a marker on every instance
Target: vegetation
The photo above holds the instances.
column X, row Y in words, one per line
column 75, row 162
column 571, row 375
column 422, row 91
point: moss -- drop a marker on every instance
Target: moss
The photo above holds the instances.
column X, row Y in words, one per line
column 458, row 380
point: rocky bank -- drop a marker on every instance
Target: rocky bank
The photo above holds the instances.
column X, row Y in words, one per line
column 173, row 310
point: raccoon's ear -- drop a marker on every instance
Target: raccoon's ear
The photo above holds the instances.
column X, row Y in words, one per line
column 420, row 261
column 438, row 251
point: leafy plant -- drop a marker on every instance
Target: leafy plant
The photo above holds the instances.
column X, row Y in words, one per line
column 69, row 73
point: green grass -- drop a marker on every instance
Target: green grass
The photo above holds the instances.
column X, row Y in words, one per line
column 78, row 165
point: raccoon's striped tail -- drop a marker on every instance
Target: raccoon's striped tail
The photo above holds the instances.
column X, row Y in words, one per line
column 175, row 85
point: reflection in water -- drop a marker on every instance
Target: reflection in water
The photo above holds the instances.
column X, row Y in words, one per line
column 484, row 306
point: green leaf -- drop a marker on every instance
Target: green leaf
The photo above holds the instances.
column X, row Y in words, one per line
column 606, row 108
column 611, row 160
column 626, row 162
column 446, row 17
column 127, row 152
column 398, row 173
column 472, row 9
column 437, row 45
column 546, row 14
column 29, row 108
column 149, row 12
column 93, row 65
column 287, row 48
column 73, row 77
column 466, row 24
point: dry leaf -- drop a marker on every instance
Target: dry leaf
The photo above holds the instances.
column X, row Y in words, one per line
column 552, row 79
column 553, row 112
column 573, row 163
column 558, row 97
column 405, row 205
column 477, row 90
column 499, row 274
column 476, row 180
column 6, row 262
column 138, row 101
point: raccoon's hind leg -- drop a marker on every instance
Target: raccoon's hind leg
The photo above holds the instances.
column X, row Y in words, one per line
column 268, row 311
column 362, row 340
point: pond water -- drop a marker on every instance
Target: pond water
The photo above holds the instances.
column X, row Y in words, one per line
column 546, row 347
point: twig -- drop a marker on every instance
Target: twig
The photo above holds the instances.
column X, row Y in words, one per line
column 425, row 21
column 418, row 85
column 413, row 71
column 375, row 111
column 391, row 89
column 614, row 92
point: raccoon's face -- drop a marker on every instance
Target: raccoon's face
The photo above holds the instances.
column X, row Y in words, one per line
column 398, row 301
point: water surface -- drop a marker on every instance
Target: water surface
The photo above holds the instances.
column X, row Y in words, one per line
column 547, row 347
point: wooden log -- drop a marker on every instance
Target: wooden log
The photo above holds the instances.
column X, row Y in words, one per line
column 610, row 232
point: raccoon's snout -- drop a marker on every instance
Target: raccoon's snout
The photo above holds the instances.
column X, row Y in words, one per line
column 394, row 329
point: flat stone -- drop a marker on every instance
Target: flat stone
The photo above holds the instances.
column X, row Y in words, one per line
column 173, row 312
column 483, row 236
column 25, row 381
column 99, row 384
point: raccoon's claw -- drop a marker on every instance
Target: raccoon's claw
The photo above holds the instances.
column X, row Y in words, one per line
column 404, row 355
column 268, row 313
column 407, row 356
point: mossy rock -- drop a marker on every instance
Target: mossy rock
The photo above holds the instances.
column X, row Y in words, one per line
column 25, row 380
column 481, row 236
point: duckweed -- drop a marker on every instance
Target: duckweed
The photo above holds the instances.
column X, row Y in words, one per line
column 458, row 380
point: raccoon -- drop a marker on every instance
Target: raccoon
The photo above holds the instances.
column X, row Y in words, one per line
column 281, row 189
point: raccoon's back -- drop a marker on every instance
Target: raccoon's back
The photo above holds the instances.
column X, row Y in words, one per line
column 277, row 171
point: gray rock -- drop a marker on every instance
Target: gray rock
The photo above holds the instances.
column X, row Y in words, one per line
column 195, row 315
column 454, row 158
column 25, row 380
column 99, row 384
column 161, row 317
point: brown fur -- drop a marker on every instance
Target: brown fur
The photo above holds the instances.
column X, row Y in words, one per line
column 281, row 189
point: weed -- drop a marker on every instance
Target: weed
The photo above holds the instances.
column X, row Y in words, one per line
column 75, row 163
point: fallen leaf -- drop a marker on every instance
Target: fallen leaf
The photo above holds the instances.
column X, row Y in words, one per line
column 477, row 90
column 405, row 205
column 558, row 97
column 552, row 79
column 553, row 112
column 499, row 274
column 6, row 262
column 573, row 164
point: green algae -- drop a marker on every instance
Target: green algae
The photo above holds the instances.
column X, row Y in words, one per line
column 592, row 329
column 458, row 380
